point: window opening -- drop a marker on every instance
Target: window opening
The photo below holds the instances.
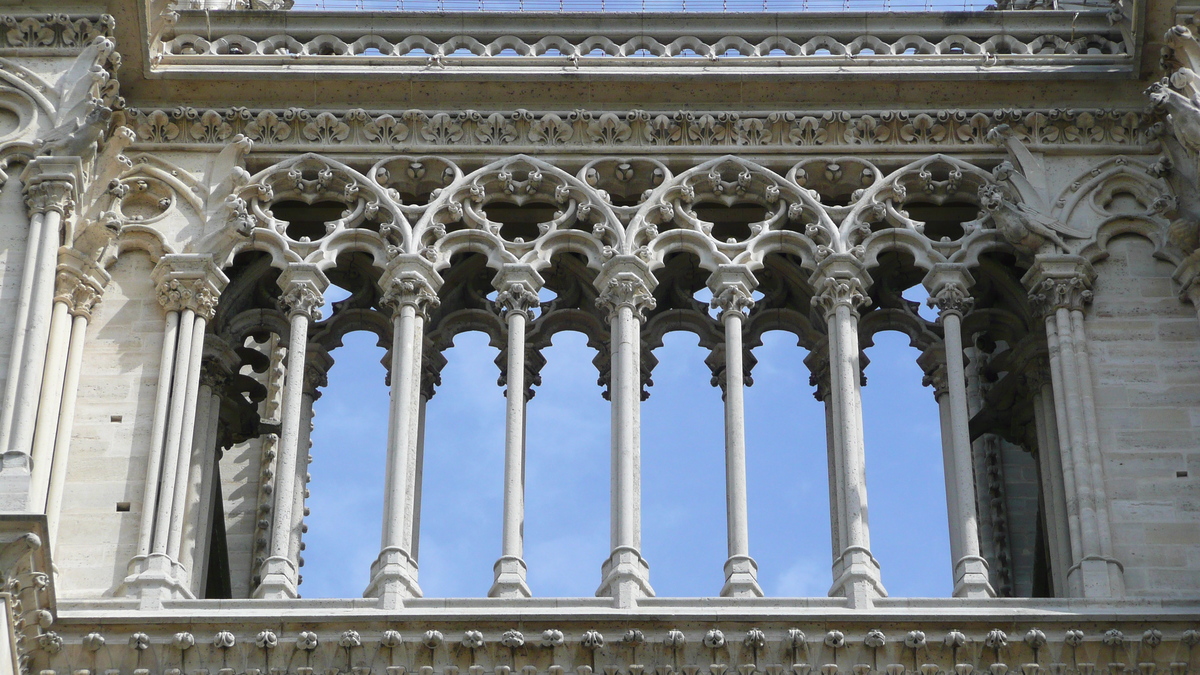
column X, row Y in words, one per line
column 683, row 473
column 905, row 477
column 567, row 469
column 787, row 472
column 349, row 452
column 461, row 496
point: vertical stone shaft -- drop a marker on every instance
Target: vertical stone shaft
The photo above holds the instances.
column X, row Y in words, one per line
column 12, row 387
column 518, row 286
column 186, row 450
column 625, row 286
column 948, row 286
column 81, row 313
column 32, row 365
column 166, row 366
column 732, row 286
column 170, row 459
column 49, row 403
column 840, row 284
column 303, row 286
column 410, row 291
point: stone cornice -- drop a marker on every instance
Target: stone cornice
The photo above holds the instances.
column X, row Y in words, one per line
column 358, row 130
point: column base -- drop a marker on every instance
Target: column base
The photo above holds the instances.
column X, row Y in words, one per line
column 153, row 579
column 1099, row 577
column 971, row 578
column 741, row 578
column 859, row 579
column 626, row 578
column 510, row 579
column 393, row 579
column 280, row 580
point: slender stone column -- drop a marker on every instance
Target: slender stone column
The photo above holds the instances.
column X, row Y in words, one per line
column 732, row 286
column 303, row 286
column 51, row 185
column 625, row 285
column 194, row 539
column 79, row 279
column 840, row 285
column 220, row 362
column 933, row 363
column 188, row 288
column 410, row 286
column 948, row 286
column 316, row 376
column 1060, row 287
column 431, row 377
column 82, row 300
column 1051, row 478
column 518, row 287
column 818, row 366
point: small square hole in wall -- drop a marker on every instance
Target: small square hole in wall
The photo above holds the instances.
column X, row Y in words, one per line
column 122, row 507
column 114, row 418
column 1181, row 474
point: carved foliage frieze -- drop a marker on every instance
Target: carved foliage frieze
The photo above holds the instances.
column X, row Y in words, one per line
column 296, row 127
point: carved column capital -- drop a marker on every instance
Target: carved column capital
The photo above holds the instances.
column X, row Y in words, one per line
column 410, row 280
column 52, row 184
column 1059, row 282
column 518, row 287
column 50, row 196
column 189, row 281
column 303, row 286
column 949, row 287
column 933, row 365
column 80, row 295
column 626, row 282
column 840, row 281
column 732, row 288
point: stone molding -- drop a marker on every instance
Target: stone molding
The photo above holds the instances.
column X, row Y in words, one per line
column 437, row 131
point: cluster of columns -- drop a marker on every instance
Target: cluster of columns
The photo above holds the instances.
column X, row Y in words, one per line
column 188, row 286
column 1059, row 289
column 51, row 185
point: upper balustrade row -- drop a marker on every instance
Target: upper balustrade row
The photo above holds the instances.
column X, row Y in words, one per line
column 1087, row 41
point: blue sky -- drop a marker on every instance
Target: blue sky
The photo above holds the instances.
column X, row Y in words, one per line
column 683, row 507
